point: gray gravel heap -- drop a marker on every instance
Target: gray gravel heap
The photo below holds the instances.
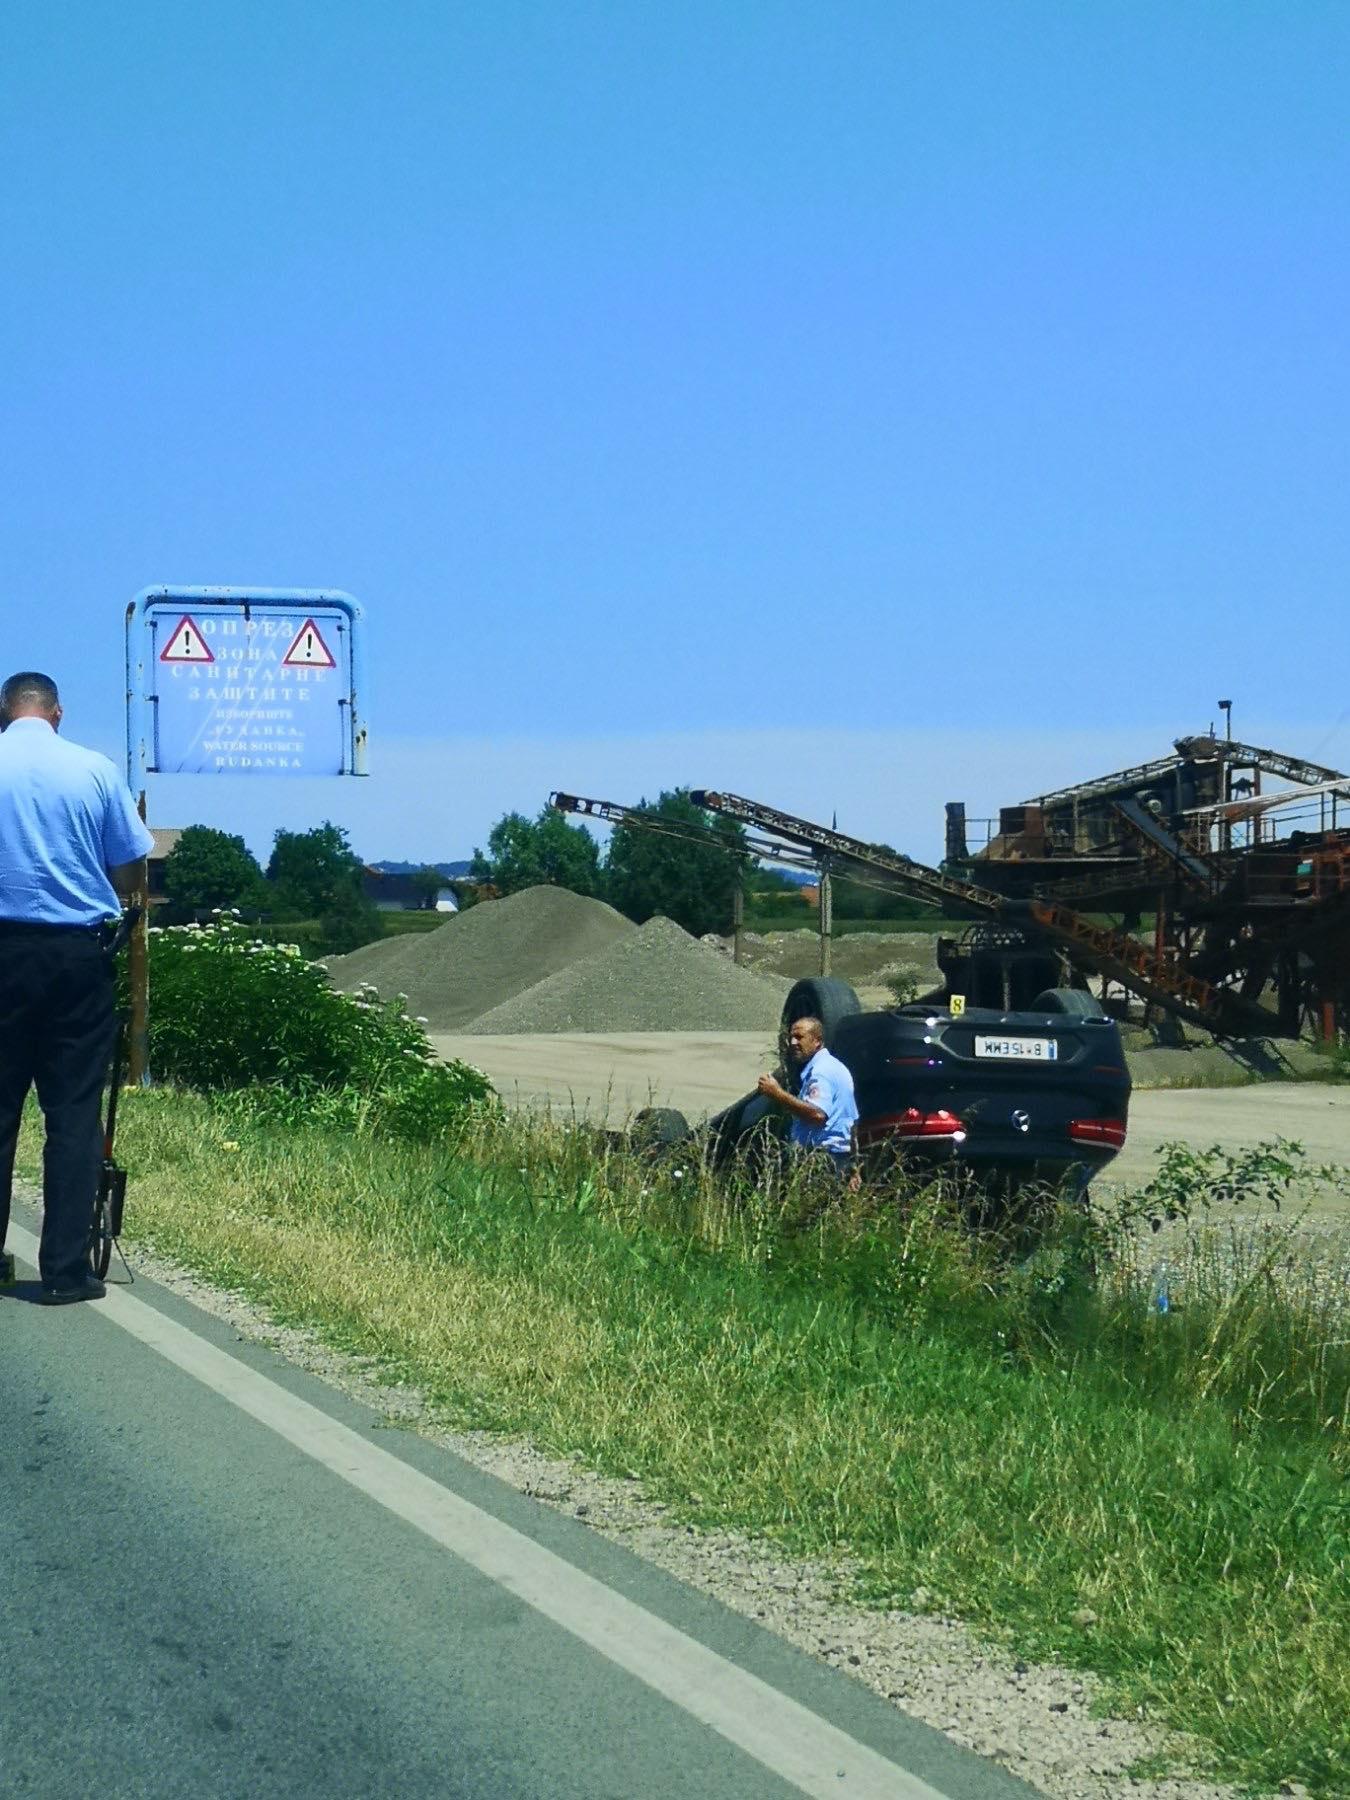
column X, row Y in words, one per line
column 485, row 955
column 386, row 961
column 656, row 979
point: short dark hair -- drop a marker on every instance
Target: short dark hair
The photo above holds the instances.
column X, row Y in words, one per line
column 28, row 688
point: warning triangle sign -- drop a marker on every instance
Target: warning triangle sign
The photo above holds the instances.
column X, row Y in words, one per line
column 186, row 644
column 308, row 650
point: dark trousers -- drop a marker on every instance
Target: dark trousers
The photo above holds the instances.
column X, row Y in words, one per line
column 56, row 1034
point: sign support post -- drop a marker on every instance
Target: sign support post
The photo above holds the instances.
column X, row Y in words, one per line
column 138, row 980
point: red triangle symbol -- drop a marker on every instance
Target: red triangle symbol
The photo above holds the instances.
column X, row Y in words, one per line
column 308, row 650
column 186, row 644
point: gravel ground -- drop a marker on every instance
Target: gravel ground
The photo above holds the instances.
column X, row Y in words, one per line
column 658, row 978
column 485, row 955
column 1041, row 1722
column 862, row 958
column 1308, row 1261
column 1213, row 1064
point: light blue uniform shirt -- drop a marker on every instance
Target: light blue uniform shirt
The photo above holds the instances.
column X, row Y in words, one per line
column 826, row 1083
column 66, row 818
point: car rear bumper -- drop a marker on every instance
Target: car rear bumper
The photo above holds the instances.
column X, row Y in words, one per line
column 1038, row 1157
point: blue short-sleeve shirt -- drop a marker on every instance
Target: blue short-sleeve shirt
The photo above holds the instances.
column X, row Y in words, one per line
column 826, row 1083
column 66, row 818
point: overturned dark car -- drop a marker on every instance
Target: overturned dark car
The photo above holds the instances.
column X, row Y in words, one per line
column 1008, row 1099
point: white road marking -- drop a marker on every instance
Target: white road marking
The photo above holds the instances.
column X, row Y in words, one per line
column 778, row 1732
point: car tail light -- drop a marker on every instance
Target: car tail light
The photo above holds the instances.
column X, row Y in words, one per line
column 911, row 1123
column 1098, row 1131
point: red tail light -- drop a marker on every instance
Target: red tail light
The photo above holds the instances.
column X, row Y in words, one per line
column 911, row 1123
column 1098, row 1131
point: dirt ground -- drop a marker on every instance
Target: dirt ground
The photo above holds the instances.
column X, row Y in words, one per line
column 862, row 958
column 607, row 1078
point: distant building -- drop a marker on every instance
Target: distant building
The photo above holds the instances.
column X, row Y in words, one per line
column 165, row 838
column 398, row 892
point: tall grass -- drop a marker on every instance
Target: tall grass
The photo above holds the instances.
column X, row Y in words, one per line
column 1162, row 1498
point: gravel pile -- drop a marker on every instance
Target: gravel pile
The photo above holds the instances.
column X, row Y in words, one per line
column 656, row 979
column 386, row 961
column 485, row 955
column 862, row 958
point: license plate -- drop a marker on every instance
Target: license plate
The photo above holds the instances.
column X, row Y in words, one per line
column 1017, row 1049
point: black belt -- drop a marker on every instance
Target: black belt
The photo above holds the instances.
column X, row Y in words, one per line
column 22, row 927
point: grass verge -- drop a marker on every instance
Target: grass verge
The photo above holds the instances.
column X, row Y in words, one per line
column 1163, row 1499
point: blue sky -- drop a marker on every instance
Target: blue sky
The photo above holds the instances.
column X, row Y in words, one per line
column 859, row 405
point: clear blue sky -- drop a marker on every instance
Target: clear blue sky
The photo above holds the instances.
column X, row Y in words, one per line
column 711, row 393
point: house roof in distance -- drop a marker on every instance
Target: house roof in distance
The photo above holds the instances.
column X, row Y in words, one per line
column 165, row 836
column 451, row 870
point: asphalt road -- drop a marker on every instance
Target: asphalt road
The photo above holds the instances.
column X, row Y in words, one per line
column 222, row 1577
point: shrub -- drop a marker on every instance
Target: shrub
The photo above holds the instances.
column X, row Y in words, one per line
column 232, row 1014
column 350, row 921
column 904, row 984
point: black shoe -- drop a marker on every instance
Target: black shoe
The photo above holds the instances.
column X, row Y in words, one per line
column 89, row 1288
column 6, row 1269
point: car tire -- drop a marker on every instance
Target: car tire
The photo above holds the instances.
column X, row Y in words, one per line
column 658, row 1128
column 820, row 997
column 1074, row 1003
column 727, row 1128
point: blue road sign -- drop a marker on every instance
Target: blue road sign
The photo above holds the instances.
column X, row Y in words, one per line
column 240, row 681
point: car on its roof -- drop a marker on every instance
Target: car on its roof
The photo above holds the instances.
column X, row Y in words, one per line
column 1040, row 1095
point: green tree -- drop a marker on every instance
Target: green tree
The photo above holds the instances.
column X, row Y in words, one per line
column 208, row 868
column 426, row 884
column 349, row 919
column 548, row 851
column 310, row 869
column 690, row 879
column 862, row 900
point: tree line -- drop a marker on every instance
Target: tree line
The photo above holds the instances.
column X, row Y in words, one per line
column 682, row 862
column 310, row 875
column 678, row 860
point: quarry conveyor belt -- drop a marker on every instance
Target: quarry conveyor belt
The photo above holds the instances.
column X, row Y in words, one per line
column 1090, row 947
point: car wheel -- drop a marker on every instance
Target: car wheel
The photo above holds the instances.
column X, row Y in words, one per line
column 658, row 1128
column 820, row 997
column 728, row 1128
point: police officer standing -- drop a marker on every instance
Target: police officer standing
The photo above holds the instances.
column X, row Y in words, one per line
column 70, row 842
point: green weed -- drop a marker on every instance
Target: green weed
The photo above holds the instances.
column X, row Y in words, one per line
column 257, row 1022
column 1163, row 1498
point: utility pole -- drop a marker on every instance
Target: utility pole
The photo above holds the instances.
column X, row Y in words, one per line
column 826, row 917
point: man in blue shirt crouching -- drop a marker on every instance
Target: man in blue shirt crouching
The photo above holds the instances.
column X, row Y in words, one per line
column 823, row 1109
column 70, row 841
